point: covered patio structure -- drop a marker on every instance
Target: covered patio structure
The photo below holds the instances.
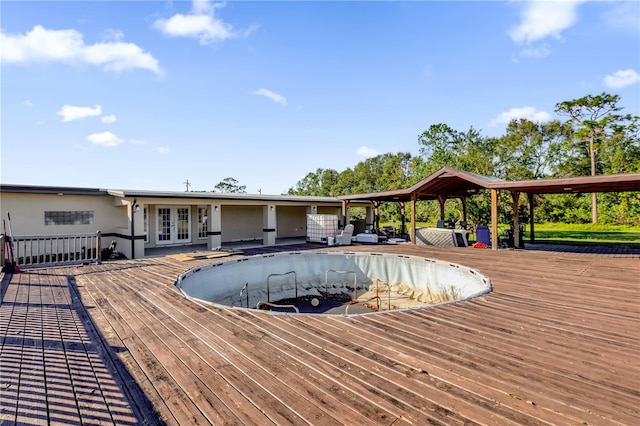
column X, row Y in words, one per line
column 449, row 183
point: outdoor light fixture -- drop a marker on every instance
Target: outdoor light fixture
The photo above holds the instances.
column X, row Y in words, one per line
column 137, row 207
column 271, row 207
column 215, row 208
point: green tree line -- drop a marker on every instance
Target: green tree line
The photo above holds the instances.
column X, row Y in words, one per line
column 596, row 138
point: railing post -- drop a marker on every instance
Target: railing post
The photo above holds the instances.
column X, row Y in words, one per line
column 99, row 247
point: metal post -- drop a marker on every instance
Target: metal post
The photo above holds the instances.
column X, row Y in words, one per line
column 99, row 247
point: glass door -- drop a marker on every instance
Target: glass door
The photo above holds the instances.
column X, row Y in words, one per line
column 183, row 228
column 174, row 224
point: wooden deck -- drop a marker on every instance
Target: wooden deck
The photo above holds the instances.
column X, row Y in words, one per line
column 556, row 342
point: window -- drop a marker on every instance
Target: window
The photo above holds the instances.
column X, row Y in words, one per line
column 68, row 218
column 203, row 223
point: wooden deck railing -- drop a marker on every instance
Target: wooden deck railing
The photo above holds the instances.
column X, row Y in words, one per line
column 63, row 248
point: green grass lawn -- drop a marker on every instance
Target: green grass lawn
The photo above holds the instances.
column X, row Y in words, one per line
column 559, row 233
column 576, row 234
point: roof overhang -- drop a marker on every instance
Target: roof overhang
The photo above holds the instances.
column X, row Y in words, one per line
column 219, row 196
column 452, row 183
column 55, row 190
column 600, row 183
column 446, row 182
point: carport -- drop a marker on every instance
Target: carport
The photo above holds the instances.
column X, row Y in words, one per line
column 449, row 183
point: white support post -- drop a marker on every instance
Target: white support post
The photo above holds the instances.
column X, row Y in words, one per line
column 214, row 234
column 269, row 231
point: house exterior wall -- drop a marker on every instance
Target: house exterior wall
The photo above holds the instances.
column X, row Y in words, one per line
column 27, row 213
column 110, row 216
column 291, row 221
column 241, row 223
column 329, row 210
column 116, row 217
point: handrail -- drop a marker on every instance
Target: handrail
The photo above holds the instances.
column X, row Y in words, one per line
column 356, row 302
column 326, row 282
column 245, row 289
column 58, row 248
column 378, row 294
column 273, row 305
column 295, row 277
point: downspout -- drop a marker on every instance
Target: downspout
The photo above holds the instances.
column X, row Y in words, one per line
column 133, row 228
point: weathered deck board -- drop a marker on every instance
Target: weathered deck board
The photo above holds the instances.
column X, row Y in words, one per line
column 52, row 367
column 556, row 342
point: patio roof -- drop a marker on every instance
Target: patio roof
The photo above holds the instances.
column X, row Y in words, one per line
column 453, row 183
column 599, row 183
column 447, row 181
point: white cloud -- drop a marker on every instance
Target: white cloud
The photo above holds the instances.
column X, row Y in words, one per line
column 138, row 142
column 43, row 45
column 528, row 112
column 271, row 95
column 112, row 35
column 108, row 119
column 536, row 52
column 164, row 150
column 622, row 78
column 70, row 112
column 367, row 152
column 27, row 103
column 204, row 6
column 104, row 139
column 204, row 27
column 542, row 19
column 120, row 57
column 200, row 23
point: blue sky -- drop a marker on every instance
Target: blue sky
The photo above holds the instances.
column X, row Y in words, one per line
column 148, row 94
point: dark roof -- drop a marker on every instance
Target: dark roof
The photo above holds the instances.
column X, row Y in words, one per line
column 447, row 182
column 129, row 193
column 599, row 183
column 451, row 183
column 58, row 190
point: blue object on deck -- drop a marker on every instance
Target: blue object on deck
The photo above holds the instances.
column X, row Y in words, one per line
column 482, row 235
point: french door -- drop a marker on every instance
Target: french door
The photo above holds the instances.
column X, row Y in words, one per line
column 174, row 224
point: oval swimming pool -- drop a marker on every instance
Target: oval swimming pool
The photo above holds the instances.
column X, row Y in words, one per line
column 343, row 283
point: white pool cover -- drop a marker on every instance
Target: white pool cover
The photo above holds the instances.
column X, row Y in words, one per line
column 249, row 281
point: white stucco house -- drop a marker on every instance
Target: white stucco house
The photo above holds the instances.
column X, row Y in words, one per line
column 138, row 220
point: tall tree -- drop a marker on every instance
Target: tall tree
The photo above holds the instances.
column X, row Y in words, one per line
column 529, row 150
column 382, row 172
column 308, row 185
column 595, row 121
column 230, row 185
column 319, row 183
column 469, row 151
column 443, row 146
column 621, row 153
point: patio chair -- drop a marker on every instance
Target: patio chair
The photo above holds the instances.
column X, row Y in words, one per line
column 344, row 237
